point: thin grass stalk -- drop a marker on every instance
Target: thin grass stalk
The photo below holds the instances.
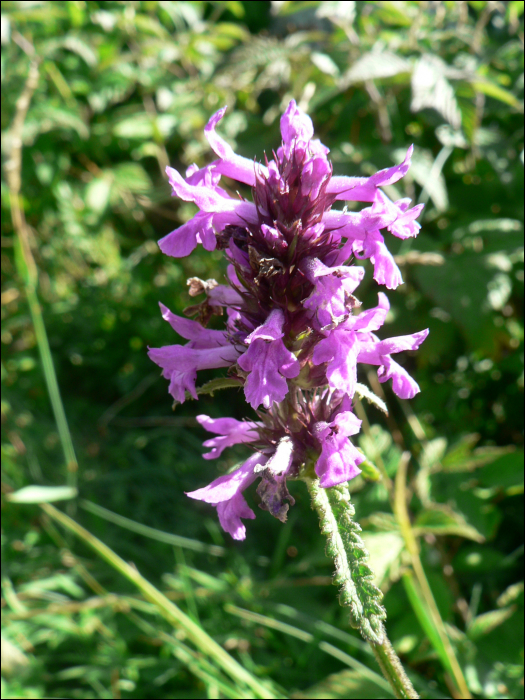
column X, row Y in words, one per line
column 28, row 271
column 168, row 609
column 444, row 649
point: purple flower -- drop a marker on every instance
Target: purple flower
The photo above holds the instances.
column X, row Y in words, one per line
column 330, row 298
column 268, row 363
column 292, row 336
column 339, row 459
column 226, row 493
column 231, row 432
column 377, row 352
column 339, row 349
column 207, row 349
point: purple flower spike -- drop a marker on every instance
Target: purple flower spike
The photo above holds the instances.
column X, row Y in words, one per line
column 293, row 333
column 268, row 363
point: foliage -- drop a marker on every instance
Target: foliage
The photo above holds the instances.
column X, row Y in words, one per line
column 123, row 89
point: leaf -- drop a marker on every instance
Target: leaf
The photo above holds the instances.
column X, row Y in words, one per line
column 461, row 287
column 505, row 472
column 381, row 522
column 430, row 89
column 42, row 494
column 324, row 63
column 56, row 582
column 132, row 176
column 443, row 520
column 498, row 93
column 433, row 451
column 345, row 684
column 369, row 471
column 97, row 194
column 74, row 44
column 365, row 393
column 375, row 65
column 385, row 549
column 511, row 595
column 48, row 117
column 214, row 385
column 459, row 452
column 489, row 621
column 142, row 126
column 477, row 559
column 149, row 25
column 426, row 175
column 426, row 618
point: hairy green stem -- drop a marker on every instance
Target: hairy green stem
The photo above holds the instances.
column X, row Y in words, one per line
column 393, row 670
column 355, row 578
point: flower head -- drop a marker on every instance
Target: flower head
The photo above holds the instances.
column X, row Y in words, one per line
column 294, row 335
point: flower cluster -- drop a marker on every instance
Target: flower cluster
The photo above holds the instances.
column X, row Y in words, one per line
column 293, row 336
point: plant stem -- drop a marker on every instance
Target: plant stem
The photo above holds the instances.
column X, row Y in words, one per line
column 354, row 576
column 393, row 670
column 442, row 642
column 27, row 267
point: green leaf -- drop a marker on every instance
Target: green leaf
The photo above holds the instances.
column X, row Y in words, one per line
column 324, row 63
column 57, row 582
column 142, row 126
column 149, row 25
column 459, row 452
column 369, row 471
column 385, row 550
column 375, row 65
column 431, row 90
column 215, row 385
column 483, row 624
column 421, row 171
column 425, row 618
column 478, row 559
column 345, row 684
column 511, row 594
column 97, row 194
column 443, row 520
column 506, row 472
column 74, row 44
column 465, row 461
column 47, row 117
column 42, row 494
column 345, row 546
column 132, row 177
column 498, row 93
column 433, row 451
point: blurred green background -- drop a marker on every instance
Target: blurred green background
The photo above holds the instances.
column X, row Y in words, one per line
column 123, row 89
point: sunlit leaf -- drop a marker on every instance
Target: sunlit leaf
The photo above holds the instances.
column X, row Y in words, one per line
column 498, row 93
column 375, row 65
column 425, row 173
column 97, row 194
column 443, row 520
column 489, row 621
column 345, row 684
column 42, row 494
column 431, row 89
